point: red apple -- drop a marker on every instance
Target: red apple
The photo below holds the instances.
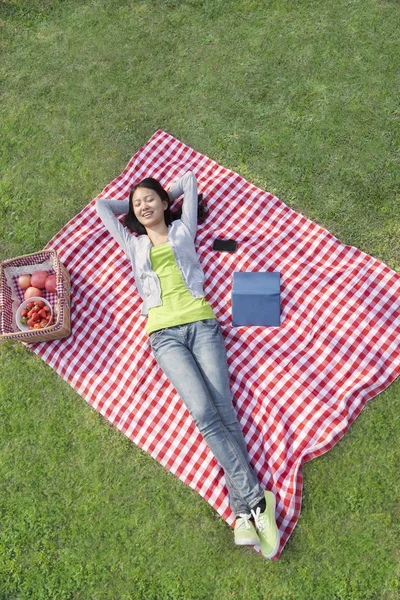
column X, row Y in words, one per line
column 50, row 283
column 31, row 292
column 38, row 279
column 24, row 281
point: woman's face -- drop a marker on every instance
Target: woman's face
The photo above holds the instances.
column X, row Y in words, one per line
column 148, row 207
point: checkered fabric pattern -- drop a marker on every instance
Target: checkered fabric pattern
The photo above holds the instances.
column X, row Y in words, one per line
column 296, row 388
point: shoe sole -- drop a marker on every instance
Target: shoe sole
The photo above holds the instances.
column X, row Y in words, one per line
column 275, row 550
column 278, row 541
column 248, row 542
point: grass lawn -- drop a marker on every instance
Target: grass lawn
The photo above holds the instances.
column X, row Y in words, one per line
column 302, row 99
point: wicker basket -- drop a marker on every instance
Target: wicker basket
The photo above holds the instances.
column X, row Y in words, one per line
column 11, row 296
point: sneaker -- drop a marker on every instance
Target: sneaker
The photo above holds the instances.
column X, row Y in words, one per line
column 244, row 531
column 266, row 527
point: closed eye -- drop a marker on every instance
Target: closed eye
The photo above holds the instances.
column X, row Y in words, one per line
column 149, row 199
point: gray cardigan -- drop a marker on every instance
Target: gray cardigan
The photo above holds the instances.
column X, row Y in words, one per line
column 181, row 236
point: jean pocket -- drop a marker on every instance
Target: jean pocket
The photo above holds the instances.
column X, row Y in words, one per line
column 209, row 323
column 154, row 336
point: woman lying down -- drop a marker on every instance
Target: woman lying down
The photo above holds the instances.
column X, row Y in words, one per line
column 186, row 338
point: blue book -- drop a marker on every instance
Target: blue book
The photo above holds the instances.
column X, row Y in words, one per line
column 256, row 298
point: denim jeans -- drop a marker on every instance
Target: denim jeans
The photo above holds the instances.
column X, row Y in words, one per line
column 193, row 357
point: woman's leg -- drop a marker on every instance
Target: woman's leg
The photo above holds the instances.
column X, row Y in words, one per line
column 209, row 351
column 210, row 356
column 179, row 351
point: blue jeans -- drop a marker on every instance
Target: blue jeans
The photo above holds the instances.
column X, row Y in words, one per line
column 193, row 357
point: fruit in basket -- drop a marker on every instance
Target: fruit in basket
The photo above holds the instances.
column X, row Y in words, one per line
column 38, row 279
column 50, row 283
column 24, row 281
column 36, row 315
column 31, row 292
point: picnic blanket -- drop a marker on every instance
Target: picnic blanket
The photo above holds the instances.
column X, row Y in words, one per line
column 296, row 388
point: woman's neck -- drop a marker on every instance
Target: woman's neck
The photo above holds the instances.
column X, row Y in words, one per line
column 158, row 234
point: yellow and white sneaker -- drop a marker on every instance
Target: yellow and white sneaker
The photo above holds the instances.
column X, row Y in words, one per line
column 245, row 533
column 266, row 526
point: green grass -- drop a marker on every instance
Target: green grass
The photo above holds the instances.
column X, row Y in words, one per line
column 301, row 98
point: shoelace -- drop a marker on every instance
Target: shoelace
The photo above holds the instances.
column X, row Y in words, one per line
column 246, row 520
column 261, row 523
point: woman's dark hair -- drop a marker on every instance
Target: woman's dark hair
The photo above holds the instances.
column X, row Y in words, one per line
column 130, row 220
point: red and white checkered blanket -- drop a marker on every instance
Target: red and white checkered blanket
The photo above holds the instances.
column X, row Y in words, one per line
column 296, row 388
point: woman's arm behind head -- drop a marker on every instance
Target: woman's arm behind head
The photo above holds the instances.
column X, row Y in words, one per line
column 192, row 210
column 108, row 210
column 202, row 210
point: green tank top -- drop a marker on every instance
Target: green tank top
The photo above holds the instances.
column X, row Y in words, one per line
column 178, row 305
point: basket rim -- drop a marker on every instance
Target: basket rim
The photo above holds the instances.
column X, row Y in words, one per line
column 7, row 260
